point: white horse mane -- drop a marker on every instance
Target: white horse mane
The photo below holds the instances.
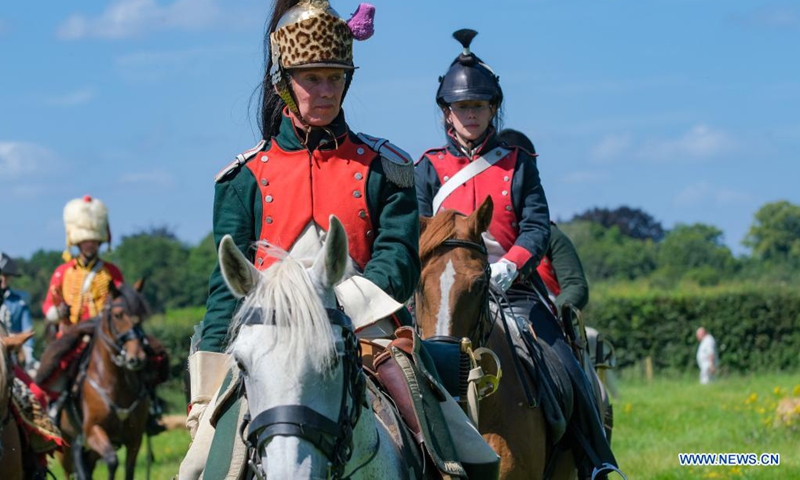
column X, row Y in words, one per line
column 285, row 291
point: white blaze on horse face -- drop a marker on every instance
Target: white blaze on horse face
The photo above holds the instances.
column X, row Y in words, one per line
column 446, row 282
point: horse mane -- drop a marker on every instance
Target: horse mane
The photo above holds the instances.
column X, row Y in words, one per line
column 5, row 373
column 284, row 296
column 440, row 227
column 135, row 300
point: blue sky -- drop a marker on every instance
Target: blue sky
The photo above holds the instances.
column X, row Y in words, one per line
column 689, row 109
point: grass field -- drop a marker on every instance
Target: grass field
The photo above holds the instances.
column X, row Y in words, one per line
column 654, row 423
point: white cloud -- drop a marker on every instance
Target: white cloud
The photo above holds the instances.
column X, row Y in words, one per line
column 18, row 159
column 701, row 141
column 156, row 178
column 154, row 66
column 612, row 147
column 132, row 18
column 705, row 193
column 777, row 17
column 27, row 192
column 71, row 99
column 585, row 177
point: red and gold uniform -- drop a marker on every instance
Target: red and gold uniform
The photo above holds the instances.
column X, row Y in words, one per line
column 68, row 285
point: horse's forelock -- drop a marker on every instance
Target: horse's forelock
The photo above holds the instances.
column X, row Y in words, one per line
column 285, row 295
column 135, row 301
column 440, row 228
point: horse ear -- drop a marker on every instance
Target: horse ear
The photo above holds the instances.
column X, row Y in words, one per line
column 113, row 290
column 15, row 340
column 481, row 218
column 139, row 285
column 331, row 263
column 423, row 223
column 240, row 275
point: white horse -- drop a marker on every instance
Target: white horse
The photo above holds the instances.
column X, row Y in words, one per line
column 298, row 355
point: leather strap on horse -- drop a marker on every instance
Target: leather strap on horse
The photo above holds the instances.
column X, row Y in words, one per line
column 415, row 391
column 497, row 297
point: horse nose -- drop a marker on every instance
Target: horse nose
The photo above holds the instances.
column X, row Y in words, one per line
column 134, row 363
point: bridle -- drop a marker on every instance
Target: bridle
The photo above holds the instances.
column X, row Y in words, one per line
column 333, row 438
column 483, row 327
column 116, row 341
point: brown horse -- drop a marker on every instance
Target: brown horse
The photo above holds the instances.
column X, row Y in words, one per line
column 12, row 463
column 453, row 300
column 112, row 404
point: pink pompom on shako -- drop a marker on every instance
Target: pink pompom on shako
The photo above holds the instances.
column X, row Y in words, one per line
column 361, row 23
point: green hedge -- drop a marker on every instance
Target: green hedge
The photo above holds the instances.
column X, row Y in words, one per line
column 756, row 329
column 174, row 329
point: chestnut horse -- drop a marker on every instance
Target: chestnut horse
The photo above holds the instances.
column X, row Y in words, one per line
column 11, row 454
column 112, row 404
column 453, row 300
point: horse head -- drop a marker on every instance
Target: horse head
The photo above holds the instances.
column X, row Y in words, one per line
column 9, row 343
column 120, row 325
column 454, row 283
column 298, row 356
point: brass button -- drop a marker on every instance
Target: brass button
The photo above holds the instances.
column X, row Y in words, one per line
column 514, row 224
column 260, row 260
column 441, row 157
column 265, row 159
column 264, row 182
column 362, row 214
column 360, row 151
column 508, row 208
column 369, row 233
column 505, row 179
column 504, row 192
column 268, row 220
column 356, row 194
column 498, row 153
column 446, row 178
column 268, row 199
column 358, row 176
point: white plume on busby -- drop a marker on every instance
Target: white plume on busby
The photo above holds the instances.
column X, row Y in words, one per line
column 86, row 219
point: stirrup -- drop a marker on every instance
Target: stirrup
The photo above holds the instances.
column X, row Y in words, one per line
column 606, row 468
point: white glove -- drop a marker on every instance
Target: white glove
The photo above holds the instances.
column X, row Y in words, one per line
column 206, row 372
column 195, row 415
column 504, row 272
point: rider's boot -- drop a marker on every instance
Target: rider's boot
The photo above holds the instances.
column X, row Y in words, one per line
column 154, row 424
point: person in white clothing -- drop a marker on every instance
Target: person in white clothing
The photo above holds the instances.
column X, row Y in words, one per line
column 706, row 356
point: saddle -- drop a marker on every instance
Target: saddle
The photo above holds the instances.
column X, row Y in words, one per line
column 36, row 426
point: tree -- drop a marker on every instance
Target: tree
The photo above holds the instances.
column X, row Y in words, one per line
column 775, row 233
column 631, row 222
column 695, row 252
column 608, row 254
column 202, row 260
column 157, row 255
column 35, row 278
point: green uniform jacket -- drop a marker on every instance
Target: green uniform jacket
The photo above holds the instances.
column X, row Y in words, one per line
column 394, row 264
column 568, row 268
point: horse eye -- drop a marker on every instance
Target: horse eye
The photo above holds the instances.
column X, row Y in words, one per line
column 240, row 365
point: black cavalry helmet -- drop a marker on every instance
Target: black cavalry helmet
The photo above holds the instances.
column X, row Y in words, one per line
column 8, row 266
column 468, row 77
